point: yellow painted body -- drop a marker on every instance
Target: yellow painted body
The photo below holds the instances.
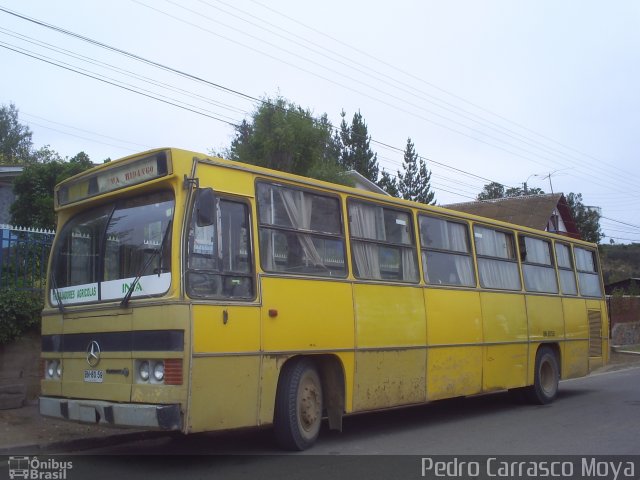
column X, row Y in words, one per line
column 395, row 344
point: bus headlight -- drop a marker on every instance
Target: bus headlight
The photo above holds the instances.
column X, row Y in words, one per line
column 153, row 371
column 158, row 371
column 53, row 369
column 143, row 371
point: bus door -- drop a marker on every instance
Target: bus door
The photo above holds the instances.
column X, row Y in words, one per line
column 220, row 280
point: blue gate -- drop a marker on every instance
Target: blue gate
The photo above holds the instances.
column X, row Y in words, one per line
column 24, row 254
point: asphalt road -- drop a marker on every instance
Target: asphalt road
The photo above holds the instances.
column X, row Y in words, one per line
column 593, row 416
column 599, row 414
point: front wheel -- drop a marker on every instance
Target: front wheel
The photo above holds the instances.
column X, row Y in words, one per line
column 298, row 412
column 547, row 376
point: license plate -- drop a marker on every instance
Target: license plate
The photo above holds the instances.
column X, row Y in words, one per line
column 94, row 376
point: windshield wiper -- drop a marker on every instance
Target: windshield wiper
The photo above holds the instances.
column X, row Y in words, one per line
column 57, row 293
column 156, row 252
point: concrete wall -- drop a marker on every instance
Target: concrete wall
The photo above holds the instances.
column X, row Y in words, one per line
column 626, row 333
column 624, row 309
column 20, row 371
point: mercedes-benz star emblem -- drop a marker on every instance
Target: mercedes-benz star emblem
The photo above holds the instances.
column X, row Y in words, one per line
column 93, row 354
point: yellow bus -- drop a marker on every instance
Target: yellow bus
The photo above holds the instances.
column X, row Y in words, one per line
column 191, row 293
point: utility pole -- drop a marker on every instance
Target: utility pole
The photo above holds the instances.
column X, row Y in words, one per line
column 551, row 174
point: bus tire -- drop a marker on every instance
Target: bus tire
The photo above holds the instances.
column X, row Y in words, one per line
column 546, row 377
column 298, row 409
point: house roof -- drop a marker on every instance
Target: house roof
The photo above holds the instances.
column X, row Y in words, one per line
column 9, row 172
column 533, row 211
column 625, row 284
column 362, row 182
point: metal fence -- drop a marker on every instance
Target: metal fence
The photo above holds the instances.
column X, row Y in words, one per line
column 24, row 253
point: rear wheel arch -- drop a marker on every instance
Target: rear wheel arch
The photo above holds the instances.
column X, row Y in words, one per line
column 546, row 375
column 309, row 387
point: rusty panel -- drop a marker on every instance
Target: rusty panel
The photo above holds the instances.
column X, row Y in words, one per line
column 389, row 378
column 454, row 371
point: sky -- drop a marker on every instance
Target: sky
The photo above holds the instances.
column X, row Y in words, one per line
column 512, row 91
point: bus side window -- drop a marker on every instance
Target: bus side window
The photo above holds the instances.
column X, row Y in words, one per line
column 446, row 252
column 300, row 231
column 565, row 270
column 588, row 278
column 537, row 265
column 382, row 243
column 497, row 262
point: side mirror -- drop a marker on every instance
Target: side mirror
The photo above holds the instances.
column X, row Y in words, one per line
column 205, row 208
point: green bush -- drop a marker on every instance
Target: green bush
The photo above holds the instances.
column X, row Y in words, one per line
column 19, row 312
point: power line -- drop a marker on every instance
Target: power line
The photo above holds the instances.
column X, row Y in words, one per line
column 618, row 221
column 155, row 96
column 361, row 53
column 183, row 74
column 113, row 83
column 22, row 112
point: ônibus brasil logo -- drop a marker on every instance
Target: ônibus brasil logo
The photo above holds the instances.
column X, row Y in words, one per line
column 36, row 469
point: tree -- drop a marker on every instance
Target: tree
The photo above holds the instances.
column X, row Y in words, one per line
column 283, row 136
column 388, row 184
column 587, row 218
column 34, row 187
column 356, row 153
column 15, row 138
column 414, row 182
column 494, row 190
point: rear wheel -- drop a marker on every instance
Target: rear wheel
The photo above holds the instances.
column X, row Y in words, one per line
column 298, row 412
column 547, row 376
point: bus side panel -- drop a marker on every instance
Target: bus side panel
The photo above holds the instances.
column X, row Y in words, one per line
column 505, row 331
column 454, row 339
column 224, row 392
column 306, row 315
column 226, row 367
column 546, row 325
column 576, row 351
column 390, row 340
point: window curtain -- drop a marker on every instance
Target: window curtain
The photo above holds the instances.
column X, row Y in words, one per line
column 538, row 278
column 563, row 255
column 496, row 273
column 298, row 207
column 568, row 282
column 409, row 267
column 537, row 251
column 457, row 237
column 584, row 260
column 366, row 222
column 493, row 243
column 454, row 238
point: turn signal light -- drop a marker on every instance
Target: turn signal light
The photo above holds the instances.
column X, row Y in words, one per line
column 173, row 371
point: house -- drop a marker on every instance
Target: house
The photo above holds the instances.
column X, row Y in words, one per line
column 8, row 173
column 629, row 286
column 549, row 212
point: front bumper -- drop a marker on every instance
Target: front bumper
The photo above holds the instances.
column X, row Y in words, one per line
column 163, row 417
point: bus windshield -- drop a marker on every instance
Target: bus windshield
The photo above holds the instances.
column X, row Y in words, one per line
column 100, row 252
